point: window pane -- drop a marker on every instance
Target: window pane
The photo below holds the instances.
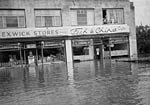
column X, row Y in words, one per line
column 1, row 22
column 56, row 21
column 48, row 21
column 11, row 21
column 21, row 21
column 73, row 16
column 4, row 21
column 120, row 16
column 81, row 50
column 82, row 17
column 12, row 12
column 38, row 21
column 90, row 17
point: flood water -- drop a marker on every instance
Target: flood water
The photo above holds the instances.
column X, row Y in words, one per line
column 87, row 83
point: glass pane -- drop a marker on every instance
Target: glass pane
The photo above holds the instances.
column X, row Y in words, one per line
column 11, row 21
column 1, row 22
column 48, row 21
column 82, row 17
column 38, row 21
column 21, row 21
column 56, row 21
column 120, row 16
column 81, row 50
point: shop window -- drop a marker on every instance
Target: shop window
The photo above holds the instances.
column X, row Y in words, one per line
column 82, row 16
column 113, row 16
column 12, row 18
column 81, row 50
column 47, row 18
column 121, row 46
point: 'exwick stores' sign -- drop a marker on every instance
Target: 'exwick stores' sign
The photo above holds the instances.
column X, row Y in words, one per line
column 63, row 31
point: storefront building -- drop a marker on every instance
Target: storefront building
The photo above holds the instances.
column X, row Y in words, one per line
column 73, row 29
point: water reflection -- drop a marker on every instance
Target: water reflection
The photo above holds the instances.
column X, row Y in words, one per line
column 70, row 71
column 5, row 75
column 84, row 83
column 103, row 69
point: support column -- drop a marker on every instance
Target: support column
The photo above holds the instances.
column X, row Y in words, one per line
column 68, row 47
column 132, row 35
column 101, row 52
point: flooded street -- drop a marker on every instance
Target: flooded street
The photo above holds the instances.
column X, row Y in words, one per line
column 88, row 83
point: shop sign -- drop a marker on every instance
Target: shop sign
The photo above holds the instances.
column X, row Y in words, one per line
column 48, row 44
column 81, row 42
column 8, row 46
column 63, row 31
column 31, row 45
column 103, row 29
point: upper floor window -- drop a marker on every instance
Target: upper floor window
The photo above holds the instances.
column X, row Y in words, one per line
column 82, row 16
column 47, row 18
column 113, row 16
column 12, row 19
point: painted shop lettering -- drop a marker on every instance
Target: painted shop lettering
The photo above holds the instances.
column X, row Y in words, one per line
column 15, row 34
column 121, row 28
column 105, row 30
column 79, row 31
column 46, row 33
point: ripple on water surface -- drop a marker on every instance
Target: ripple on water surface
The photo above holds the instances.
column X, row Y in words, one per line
column 87, row 83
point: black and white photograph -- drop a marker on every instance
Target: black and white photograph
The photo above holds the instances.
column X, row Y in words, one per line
column 74, row 52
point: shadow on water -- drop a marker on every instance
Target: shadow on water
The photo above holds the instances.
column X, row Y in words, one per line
column 82, row 83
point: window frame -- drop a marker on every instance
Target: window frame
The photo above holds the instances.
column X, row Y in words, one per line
column 60, row 16
column 4, row 24
column 106, row 14
column 80, row 17
column 88, row 10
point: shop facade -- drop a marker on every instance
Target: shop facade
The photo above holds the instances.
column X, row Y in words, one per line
column 70, row 29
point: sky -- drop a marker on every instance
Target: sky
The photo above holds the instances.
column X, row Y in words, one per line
column 142, row 11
